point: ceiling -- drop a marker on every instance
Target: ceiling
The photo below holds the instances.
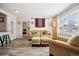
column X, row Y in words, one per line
column 35, row 10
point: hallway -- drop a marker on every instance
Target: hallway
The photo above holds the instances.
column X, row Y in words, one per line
column 21, row 47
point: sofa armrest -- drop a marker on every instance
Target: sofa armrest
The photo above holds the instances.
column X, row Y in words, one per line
column 62, row 38
column 64, row 45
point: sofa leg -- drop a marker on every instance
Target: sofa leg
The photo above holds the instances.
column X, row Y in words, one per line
column 30, row 39
column 51, row 54
column 35, row 45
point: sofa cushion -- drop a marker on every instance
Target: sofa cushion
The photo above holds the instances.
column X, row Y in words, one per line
column 46, row 38
column 36, row 41
column 74, row 40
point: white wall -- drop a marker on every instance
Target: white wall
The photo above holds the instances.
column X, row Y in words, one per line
column 20, row 21
column 19, row 28
column 17, row 25
column 10, row 18
column 48, row 25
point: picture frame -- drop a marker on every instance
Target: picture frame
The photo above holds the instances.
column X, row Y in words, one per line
column 1, row 19
column 39, row 22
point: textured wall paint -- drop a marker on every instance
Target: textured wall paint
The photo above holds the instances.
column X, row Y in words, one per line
column 48, row 25
column 3, row 24
column 10, row 18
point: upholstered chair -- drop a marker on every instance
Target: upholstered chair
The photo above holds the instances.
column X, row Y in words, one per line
column 61, row 48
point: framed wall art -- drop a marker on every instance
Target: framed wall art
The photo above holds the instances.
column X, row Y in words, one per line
column 1, row 19
column 39, row 22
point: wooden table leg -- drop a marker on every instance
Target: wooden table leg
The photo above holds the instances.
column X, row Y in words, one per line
column 1, row 41
column 9, row 38
column 6, row 39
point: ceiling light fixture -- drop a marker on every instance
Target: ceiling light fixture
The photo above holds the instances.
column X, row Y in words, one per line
column 16, row 10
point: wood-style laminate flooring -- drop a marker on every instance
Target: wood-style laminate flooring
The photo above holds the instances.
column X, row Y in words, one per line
column 23, row 47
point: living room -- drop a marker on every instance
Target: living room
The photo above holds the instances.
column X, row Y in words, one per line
column 39, row 29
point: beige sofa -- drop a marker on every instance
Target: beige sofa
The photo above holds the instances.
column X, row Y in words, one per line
column 45, row 40
column 40, row 37
column 64, row 48
column 36, row 41
column 35, row 37
column 45, row 37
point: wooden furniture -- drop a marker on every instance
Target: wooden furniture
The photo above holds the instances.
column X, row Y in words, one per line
column 4, row 38
column 1, row 41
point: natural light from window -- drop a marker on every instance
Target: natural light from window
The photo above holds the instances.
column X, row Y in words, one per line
column 70, row 23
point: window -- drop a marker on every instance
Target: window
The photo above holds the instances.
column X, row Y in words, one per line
column 70, row 23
